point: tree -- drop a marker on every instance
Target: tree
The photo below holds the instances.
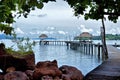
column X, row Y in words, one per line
column 9, row 9
column 90, row 9
column 97, row 9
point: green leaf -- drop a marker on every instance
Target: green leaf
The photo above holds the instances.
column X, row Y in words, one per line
column 86, row 16
column 40, row 5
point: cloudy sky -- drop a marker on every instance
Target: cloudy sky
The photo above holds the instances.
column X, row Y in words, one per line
column 57, row 15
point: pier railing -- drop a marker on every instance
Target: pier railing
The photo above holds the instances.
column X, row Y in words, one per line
column 61, row 42
column 87, row 47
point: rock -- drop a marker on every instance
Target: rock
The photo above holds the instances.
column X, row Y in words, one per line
column 46, row 78
column 71, row 73
column 30, row 60
column 29, row 74
column 10, row 69
column 46, row 68
column 16, row 75
column 2, row 49
column 19, row 63
column 1, row 77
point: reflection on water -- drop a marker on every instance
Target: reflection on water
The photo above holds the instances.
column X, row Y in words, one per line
column 66, row 56
column 63, row 55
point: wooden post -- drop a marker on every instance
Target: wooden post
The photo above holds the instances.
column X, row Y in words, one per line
column 92, row 49
column 81, row 47
column 98, row 50
column 95, row 48
column 86, row 48
column 89, row 47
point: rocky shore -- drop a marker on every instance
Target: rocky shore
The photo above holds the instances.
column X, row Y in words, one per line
column 24, row 68
column 47, row 70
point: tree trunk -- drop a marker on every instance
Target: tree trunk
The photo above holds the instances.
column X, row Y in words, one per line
column 104, row 46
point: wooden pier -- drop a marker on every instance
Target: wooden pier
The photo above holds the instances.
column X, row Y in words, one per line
column 87, row 47
column 109, row 69
column 67, row 43
column 90, row 48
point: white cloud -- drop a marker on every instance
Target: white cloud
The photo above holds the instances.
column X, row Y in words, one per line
column 84, row 29
column 61, row 32
column 98, row 32
column 113, row 31
column 19, row 31
column 50, row 28
column 32, row 32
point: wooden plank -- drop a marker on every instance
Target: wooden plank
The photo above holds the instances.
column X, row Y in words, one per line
column 109, row 69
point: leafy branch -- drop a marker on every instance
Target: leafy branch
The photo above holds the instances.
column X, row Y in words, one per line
column 24, row 46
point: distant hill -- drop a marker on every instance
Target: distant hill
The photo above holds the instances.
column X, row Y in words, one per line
column 4, row 36
column 108, row 37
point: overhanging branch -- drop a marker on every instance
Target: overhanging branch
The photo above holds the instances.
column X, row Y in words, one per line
column 107, row 13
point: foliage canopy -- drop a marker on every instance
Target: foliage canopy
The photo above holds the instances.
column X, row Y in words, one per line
column 91, row 9
column 96, row 9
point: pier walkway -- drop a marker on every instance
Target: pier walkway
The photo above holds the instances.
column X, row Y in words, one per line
column 109, row 69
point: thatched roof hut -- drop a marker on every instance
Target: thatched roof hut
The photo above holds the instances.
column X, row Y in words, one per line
column 42, row 36
column 85, row 35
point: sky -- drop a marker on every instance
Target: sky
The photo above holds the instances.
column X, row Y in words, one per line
column 59, row 16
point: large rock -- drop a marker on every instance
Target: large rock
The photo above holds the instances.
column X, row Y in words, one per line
column 1, row 76
column 16, row 75
column 46, row 68
column 2, row 49
column 29, row 73
column 19, row 63
column 71, row 73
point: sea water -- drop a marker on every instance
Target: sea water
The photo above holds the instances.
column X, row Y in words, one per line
column 63, row 55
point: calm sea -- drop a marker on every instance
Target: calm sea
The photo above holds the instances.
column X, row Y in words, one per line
column 64, row 56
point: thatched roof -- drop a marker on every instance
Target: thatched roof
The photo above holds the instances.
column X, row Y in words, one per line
column 85, row 34
column 43, row 36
